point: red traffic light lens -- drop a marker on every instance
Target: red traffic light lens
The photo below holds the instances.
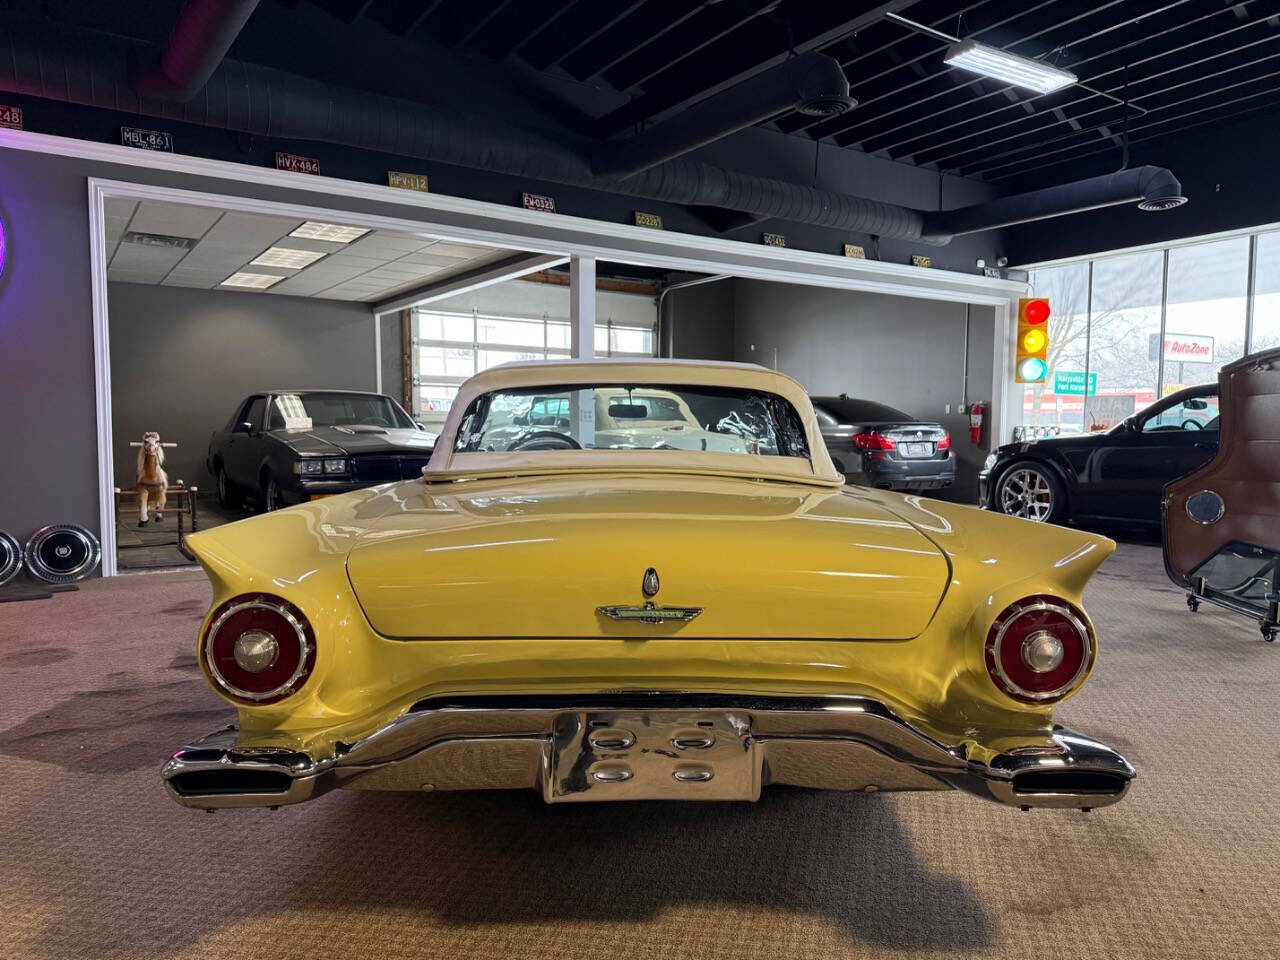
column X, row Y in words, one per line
column 1037, row 311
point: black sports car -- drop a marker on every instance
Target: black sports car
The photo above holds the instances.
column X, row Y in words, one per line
column 1116, row 475
column 288, row 446
column 879, row 446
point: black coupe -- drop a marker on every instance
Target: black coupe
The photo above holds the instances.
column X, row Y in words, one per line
column 1115, row 475
column 290, row 446
column 879, row 446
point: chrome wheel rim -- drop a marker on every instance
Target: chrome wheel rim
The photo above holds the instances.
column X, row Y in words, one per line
column 222, row 486
column 273, row 496
column 1026, row 493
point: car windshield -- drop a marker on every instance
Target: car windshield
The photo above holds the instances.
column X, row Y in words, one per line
column 303, row 411
column 632, row 417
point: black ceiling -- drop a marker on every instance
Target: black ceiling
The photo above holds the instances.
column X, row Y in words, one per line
column 605, row 67
column 1180, row 64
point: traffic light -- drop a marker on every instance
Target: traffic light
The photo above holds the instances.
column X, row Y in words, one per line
column 1033, row 340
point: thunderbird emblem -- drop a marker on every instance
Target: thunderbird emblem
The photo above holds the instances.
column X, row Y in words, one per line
column 650, row 612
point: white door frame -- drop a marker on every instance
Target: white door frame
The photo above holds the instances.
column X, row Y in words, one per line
column 437, row 215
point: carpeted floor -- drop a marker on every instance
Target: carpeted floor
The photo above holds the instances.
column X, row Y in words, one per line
column 96, row 687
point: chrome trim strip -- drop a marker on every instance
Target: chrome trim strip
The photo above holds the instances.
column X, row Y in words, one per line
column 828, row 743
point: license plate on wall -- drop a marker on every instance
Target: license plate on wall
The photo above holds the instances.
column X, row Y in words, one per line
column 917, row 449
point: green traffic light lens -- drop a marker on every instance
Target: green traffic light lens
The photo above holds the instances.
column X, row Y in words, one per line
column 1034, row 369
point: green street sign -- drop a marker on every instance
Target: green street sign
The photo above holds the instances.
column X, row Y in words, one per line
column 1070, row 383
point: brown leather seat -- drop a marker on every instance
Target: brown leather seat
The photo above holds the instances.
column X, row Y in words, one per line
column 1234, row 500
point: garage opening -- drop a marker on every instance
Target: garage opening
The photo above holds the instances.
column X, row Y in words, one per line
column 251, row 369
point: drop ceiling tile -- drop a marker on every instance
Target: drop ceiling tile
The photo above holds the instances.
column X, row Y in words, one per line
column 136, row 256
column 173, row 219
column 251, row 229
column 377, row 244
column 460, row 250
column 427, row 258
column 195, row 283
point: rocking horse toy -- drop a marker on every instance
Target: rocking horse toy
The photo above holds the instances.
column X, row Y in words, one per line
column 153, row 482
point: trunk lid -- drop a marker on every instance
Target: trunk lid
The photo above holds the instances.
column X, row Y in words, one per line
column 760, row 560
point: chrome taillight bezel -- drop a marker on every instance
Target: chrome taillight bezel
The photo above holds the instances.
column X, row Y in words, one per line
column 999, row 631
column 293, row 618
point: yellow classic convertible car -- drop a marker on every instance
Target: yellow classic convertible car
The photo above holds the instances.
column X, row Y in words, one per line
column 562, row 610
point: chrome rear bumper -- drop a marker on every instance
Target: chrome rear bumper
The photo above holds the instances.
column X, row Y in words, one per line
column 650, row 746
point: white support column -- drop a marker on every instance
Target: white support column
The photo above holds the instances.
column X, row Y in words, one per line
column 582, row 307
column 582, row 343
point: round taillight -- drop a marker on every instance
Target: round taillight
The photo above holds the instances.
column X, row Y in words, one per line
column 259, row 648
column 1038, row 649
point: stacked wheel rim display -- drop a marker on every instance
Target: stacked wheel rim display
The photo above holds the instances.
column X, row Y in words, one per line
column 62, row 553
column 10, row 557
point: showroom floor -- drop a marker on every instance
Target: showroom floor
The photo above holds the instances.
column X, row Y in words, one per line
column 97, row 686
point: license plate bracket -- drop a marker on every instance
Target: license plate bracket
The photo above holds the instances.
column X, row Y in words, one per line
column 667, row 755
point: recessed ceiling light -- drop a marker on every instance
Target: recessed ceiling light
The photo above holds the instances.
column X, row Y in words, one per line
column 287, row 257
column 314, row 230
column 254, row 281
column 1009, row 67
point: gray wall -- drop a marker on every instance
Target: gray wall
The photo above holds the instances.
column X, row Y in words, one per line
column 907, row 353
column 700, row 318
column 392, row 358
column 181, row 359
column 48, row 467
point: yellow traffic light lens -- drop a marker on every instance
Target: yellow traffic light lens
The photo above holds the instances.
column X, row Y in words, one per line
column 1033, row 370
column 1033, row 341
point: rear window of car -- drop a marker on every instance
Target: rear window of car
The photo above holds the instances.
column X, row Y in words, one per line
column 847, row 410
column 611, row 416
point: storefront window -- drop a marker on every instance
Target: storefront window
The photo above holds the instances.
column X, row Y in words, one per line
column 454, row 346
column 1124, row 334
column 1266, row 294
column 1129, row 328
column 1059, row 401
column 1204, row 319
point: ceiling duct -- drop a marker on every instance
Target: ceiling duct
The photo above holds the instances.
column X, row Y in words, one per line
column 1151, row 188
column 200, row 39
column 93, row 70
column 812, row 83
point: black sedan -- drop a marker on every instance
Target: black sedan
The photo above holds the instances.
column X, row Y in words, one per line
column 1116, row 475
column 879, row 446
column 290, row 446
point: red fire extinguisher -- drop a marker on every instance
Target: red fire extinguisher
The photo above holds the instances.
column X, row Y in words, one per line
column 975, row 424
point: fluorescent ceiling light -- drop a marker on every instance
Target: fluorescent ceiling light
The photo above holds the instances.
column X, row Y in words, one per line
column 1009, row 67
column 287, row 257
column 314, row 230
column 254, row 281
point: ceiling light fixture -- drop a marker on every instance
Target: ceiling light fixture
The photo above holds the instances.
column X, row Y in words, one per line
column 1001, row 65
column 252, row 281
column 287, row 257
column 336, row 232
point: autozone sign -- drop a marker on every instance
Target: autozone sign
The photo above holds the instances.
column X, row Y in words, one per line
column 1188, row 348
